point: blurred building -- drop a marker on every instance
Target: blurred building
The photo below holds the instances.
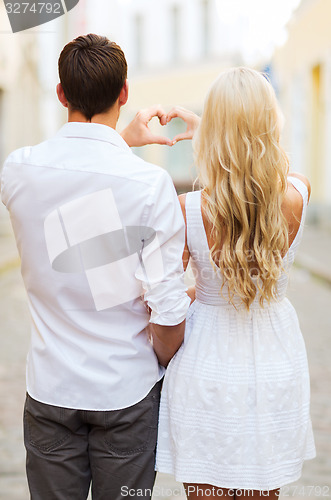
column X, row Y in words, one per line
column 19, row 88
column 19, row 94
column 303, row 68
column 29, row 110
column 51, row 38
column 175, row 49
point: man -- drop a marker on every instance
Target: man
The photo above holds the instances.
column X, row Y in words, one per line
column 100, row 235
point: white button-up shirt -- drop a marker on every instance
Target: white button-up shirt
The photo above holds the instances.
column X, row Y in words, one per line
column 99, row 231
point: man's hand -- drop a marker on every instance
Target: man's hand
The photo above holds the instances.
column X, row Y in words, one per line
column 166, row 341
column 137, row 133
column 191, row 119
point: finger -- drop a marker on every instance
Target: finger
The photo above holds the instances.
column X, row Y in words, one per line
column 153, row 111
column 163, row 119
column 178, row 112
column 159, row 139
column 183, row 137
column 173, row 114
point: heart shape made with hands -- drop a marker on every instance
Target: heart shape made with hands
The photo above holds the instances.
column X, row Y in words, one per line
column 145, row 116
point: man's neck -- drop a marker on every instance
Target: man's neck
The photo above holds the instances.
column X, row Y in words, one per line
column 109, row 119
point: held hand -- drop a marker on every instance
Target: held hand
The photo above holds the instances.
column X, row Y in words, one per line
column 137, row 133
column 191, row 119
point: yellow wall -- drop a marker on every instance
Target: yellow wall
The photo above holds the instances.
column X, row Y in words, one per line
column 309, row 36
column 186, row 86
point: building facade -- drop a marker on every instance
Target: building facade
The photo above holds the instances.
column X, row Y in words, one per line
column 19, row 94
column 175, row 49
column 19, row 87
column 29, row 110
column 303, row 69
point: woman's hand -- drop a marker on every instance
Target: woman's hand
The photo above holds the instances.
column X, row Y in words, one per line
column 137, row 133
column 191, row 119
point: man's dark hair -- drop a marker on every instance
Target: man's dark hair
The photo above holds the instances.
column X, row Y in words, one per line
column 92, row 72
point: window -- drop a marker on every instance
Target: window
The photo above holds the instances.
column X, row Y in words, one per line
column 205, row 24
column 175, row 31
column 138, row 40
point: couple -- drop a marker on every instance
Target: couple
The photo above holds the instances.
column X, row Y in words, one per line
column 102, row 239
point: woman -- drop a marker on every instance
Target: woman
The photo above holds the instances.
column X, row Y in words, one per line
column 235, row 402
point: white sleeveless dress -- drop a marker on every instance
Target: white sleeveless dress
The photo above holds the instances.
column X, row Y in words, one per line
column 235, row 400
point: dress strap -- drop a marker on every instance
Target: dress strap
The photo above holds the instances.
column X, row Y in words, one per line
column 301, row 187
column 303, row 190
column 195, row 230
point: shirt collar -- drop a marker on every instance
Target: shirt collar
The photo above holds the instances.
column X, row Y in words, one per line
column 94, row 131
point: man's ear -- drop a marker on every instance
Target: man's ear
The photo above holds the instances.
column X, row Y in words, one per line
column 124, row 94
column 60, row 94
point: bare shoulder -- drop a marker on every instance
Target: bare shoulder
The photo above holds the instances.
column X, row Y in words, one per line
column 182, row 199
column 304, row 179
column 293, row 205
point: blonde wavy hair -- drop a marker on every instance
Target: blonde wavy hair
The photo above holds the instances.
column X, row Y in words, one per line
column 243, row 171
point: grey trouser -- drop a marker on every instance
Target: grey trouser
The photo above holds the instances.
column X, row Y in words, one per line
column 67, row 449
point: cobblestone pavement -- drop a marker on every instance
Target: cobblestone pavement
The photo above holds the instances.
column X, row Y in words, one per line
column 312, row 300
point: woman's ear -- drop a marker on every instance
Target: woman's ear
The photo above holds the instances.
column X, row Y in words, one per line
column 60, row 94
column 124, row 94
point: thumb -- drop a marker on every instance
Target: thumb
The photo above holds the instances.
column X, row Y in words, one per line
column 182, row 137
column 159, row 139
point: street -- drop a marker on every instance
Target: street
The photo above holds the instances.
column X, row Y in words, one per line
column 312, row 300
column 227, row 96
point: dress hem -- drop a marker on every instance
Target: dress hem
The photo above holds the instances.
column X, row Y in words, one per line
column 237, row 486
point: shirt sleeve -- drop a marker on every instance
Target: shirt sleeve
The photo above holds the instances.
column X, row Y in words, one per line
column 161, row 270
column 6, row 177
